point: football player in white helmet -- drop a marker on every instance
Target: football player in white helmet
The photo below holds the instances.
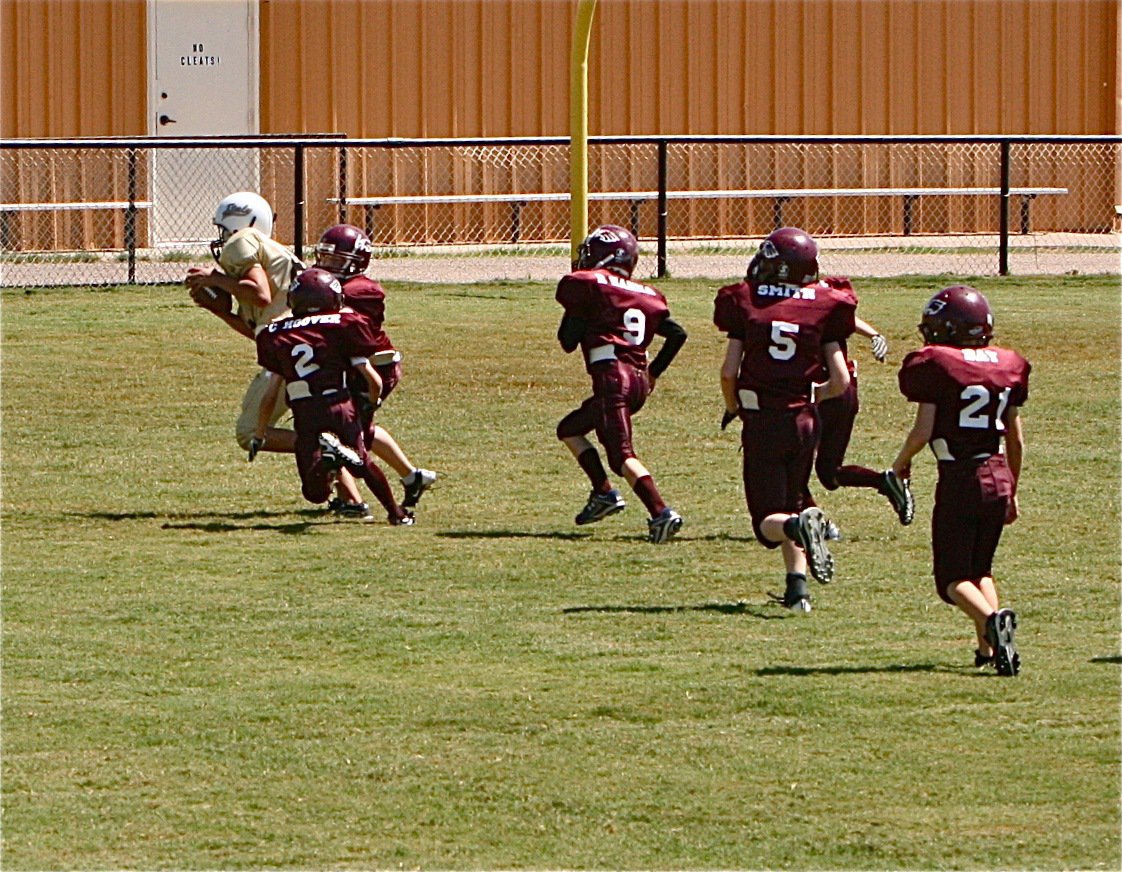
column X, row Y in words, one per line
column 246, row 290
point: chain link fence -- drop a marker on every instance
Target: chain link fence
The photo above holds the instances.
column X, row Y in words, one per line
column 104, row 212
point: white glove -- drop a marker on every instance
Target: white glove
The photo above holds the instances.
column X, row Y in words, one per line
column 880, row 347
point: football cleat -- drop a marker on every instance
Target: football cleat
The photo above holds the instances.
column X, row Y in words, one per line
column 1000, row 627
column 422, row 480
column 599, row 506
column 406, row 520
column 899, row 493
column 664, row 527
column 792, row 601
column 811, row 530
column 335, row 455
column 833, row 534
column 981, row 661
column 355, row 511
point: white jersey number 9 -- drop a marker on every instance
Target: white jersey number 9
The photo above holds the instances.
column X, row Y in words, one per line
column 635, row 326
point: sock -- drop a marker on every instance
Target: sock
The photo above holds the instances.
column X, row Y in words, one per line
column 859, row 476
column 796, row 586
column 593, row 467
column 409, row 479
column 646, row 491
column 376, row 480
column 791, row 528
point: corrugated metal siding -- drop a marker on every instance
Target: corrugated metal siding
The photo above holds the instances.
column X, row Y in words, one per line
column 73, row 68
column 500, row 67
column 460, row 68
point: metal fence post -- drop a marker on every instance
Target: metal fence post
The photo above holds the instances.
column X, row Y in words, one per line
column 662, row 210
column 298, row 212
column 1003, row 245
column 342, row 192
column 130, row 216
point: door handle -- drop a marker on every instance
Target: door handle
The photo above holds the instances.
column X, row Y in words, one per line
column 164, row 120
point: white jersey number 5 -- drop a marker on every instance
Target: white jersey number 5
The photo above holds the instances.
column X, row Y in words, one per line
column 782, row 340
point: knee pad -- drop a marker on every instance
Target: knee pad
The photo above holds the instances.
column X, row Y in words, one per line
column 566, row 428
column 316, row 491
column 616, row 459
column 243, row 435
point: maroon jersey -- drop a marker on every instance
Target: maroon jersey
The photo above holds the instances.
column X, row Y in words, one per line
column 621, row 315
column 314, row 352
column 368, row 297
column 842, row 284
column 972, row 389
column 783, row 329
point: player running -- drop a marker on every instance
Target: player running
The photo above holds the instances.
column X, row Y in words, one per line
column 969, row 394
column 613, row 319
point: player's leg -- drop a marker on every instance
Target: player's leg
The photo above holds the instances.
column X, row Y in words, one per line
column 622, row 391
column 572, row 431
column 415, row 480
column 276, row 438
column 996, row 485
column 778, row 452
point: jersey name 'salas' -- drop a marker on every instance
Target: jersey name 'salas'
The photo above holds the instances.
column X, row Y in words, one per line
column 607, row 278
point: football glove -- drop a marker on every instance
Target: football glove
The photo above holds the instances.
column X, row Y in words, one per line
column 880, row 347
column 727, row 418
column 255, row 445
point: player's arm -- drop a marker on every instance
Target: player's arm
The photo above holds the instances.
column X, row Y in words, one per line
column 1014, row 454
column 209, row 290
column 674, row 337
column 730, row 374
column 918, row 436
column 837, row 372
column 570, row 332
column 373, row 380
column 880, row 344
column 252, row 289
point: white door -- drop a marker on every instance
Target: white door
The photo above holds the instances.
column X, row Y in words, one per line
column 202, row 81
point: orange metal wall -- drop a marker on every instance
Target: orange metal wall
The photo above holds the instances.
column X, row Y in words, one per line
column 73, row 68
column 500, row 67
column 442, row 68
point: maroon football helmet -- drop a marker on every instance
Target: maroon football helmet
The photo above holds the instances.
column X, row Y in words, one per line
column 959, row 316
column 344, row 250
column 789, row 256
column 609, row 247
column 314, row 291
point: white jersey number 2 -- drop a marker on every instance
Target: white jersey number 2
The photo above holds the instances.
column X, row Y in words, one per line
column 973, row 415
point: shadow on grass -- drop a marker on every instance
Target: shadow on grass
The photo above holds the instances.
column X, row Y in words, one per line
column 1113, row 658
column 229, row 516
column 846, row 670
column 226, row 527
column 226, row 522
column 763, row 612
column 507, row 534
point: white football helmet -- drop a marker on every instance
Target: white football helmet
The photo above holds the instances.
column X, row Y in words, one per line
column 238, row 211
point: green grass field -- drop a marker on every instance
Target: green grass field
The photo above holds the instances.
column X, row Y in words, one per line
column 202, row 671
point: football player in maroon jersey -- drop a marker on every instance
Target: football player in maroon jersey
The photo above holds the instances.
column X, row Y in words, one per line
column 344, row 250
column 783, row 327
column 310, row 354
column 837, row 417
column 969, row 394
column 612, row 319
